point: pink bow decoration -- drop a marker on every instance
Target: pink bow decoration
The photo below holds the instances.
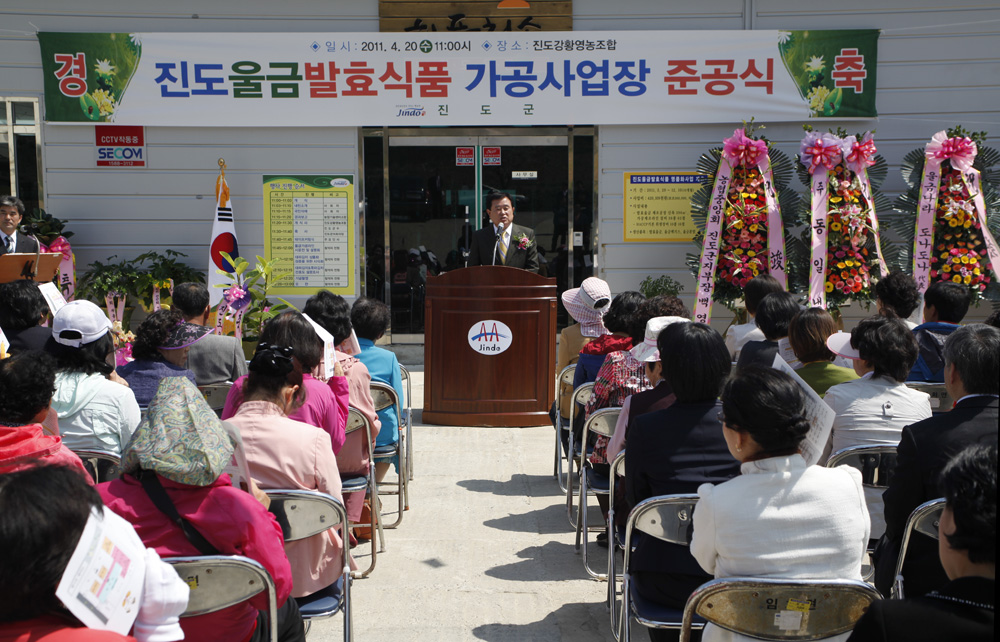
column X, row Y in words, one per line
column 820, row 150
column 60, row 246
column 960, row 151
column 859, row 156
column 237, row 298
column 742, row 150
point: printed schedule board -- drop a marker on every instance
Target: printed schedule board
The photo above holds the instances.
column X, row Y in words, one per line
column 309, row 224
column 658, row 206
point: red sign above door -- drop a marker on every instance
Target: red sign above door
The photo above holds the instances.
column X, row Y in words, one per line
column 465, row 156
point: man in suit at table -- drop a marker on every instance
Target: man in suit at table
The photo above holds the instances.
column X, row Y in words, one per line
column 503, row 242
column 12, row 241
column 972, row 378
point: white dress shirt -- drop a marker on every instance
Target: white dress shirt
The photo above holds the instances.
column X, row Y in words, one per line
column 737, row 336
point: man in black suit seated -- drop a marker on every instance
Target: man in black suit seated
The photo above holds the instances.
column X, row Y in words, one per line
column 961, row 609
column 972, row 377
column 503, row 242
column 11, row 240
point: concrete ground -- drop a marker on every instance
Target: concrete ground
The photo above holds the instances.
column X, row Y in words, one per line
column 485, row 551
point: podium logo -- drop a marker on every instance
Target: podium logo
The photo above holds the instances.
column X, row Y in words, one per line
column 489, row 337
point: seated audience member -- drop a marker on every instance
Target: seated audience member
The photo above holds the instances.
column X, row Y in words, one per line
column 807, row 334
column 961, row 609
column 333, row 313
column 43, row 512
column 774, row 314
column 674, row 451
column 945, row 305
column 95, row 412
column 780, row 518
column 587, row 305
column 216, row 358
column 322, row 407
column 619, row 322
column 754, row 292
column 370, row 318
column 872, row 410
column 972, row 377
column 993, row 319
column 897, row 294
column 28, row 380
column 160, row 350
column 176, row 459
column 283, row 453
column 22, row 310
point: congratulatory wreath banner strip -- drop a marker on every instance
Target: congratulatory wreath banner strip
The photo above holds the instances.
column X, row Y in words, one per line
column 539, row 78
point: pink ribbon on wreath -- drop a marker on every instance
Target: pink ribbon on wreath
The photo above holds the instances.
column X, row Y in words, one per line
column 859, row 155
column 740, row 149
column 819, row 232
column 115, row 302
column 67, row 266
column 711, row 245
column 960, row 151
column 235, row 301
column 818, row 150
column 992, row 250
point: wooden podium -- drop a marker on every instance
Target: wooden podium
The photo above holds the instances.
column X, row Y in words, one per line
column 490, row 348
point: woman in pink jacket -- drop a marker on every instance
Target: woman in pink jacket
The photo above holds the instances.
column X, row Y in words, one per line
column 283, row 453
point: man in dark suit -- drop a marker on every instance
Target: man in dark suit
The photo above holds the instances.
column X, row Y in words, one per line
column 11, row 241
column 972, row 376
column 503, row 242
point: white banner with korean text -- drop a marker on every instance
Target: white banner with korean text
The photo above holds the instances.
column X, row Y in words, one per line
column 442, row 79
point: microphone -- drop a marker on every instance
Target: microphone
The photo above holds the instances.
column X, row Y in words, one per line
column 497, row 244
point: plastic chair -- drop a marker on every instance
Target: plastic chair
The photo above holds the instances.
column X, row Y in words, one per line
column 102, row 466
column 302, row 514
column 669, row 518
column 215, row 394
column 876, row 464
column 384, row 397
column 580, row 396
column 941, row 401
column 409, row 422
column 924, row 520
column 365, row 483
column 616, row 542
column 779, row 609
column 220, row 581
column 600, row 422
column 563, row 379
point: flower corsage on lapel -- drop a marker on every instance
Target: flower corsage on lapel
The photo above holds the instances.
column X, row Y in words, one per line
column 523, row 242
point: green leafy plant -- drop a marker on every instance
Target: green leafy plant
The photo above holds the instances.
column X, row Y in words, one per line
column 100, row 279
column 257, row 281
column 46, row 227
column 161, row 269
column 664, row 284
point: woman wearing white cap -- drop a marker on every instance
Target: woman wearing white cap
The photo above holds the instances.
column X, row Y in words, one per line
column 94, row 412
column 587, row 305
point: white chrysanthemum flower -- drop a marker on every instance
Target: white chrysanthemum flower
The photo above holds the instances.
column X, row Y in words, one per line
column 784, row 36
column 136, row 40
column 104, row 68
column 815, row 64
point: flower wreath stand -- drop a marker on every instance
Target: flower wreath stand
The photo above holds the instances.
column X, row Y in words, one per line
column 950, row 216
column 743, row 211
column 843, row 175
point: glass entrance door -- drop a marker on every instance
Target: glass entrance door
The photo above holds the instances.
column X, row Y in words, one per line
column 424, row 197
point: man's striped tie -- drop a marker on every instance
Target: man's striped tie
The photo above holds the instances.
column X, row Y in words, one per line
column 503, row 248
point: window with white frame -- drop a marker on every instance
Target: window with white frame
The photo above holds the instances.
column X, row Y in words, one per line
column 20, row 151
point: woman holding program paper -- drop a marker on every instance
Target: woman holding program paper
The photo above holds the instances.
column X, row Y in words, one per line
column 780, row 518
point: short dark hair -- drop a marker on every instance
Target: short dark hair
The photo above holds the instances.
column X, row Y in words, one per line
column 767, row 404
column 12, row 201
column 951, row 300
column 28, row 381
column 807, row 334
column 21, row 305
column 370, row 318
column 757, row 288
column 496, row 196
column 290, row 328
column 661, row 305
column 969, row 485
column 331, row 311
column 89, row 358
column 974, row 350
column 898, row 292
column 994, row 318
column 887, row 344
column 153, row 333
column 623, row 307
column 190, row 299
column 774, row 312
column 695, row 361
column 44, row 511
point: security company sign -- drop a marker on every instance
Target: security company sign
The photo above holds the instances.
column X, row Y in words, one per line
column 490, row 337
column 120, row 145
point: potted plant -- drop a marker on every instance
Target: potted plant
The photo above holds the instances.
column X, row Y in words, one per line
column 111, row 284
column 45, row 227
column 663, row 284
column 248, row 291
column 161, row 270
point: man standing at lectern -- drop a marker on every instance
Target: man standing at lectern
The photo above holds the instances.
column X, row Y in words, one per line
column 503, row 242
column 11, row 241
